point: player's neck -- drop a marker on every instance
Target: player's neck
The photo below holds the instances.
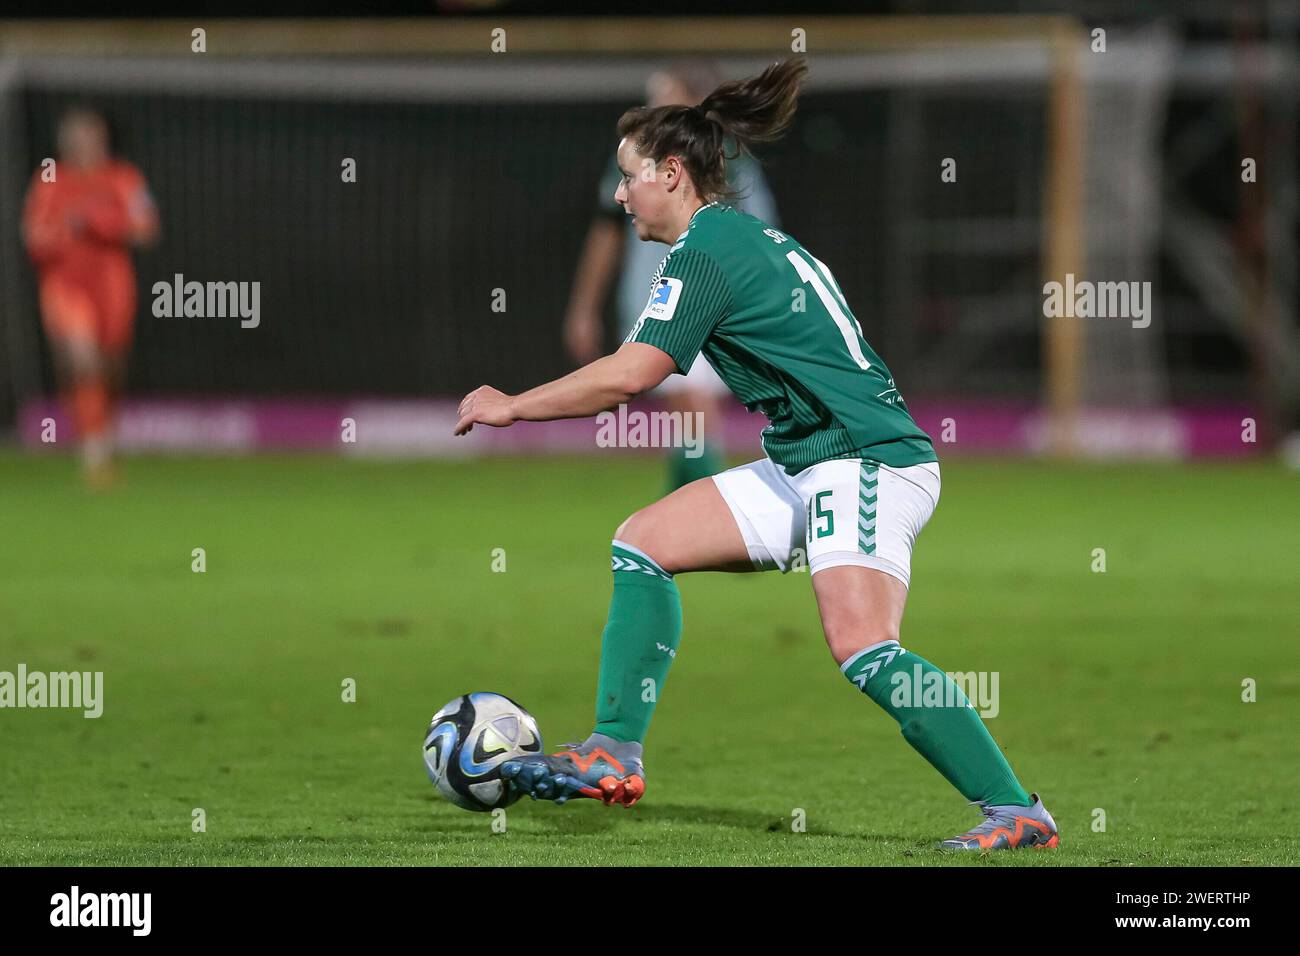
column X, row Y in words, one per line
column 688, row 213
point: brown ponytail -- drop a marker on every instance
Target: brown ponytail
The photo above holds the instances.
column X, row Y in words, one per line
column 753, row 110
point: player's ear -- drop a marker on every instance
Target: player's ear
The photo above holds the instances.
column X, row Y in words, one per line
column 672, row 173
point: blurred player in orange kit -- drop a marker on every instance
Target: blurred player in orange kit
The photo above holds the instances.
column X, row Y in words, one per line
column 82, row 216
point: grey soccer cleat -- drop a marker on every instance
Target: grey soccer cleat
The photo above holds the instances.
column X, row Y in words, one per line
column 600, row 767
column 1009, row 827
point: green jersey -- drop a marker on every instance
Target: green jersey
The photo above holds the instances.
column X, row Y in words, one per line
column 772, row 322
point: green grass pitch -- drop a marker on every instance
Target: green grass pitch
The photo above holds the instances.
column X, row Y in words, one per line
column 1120, row 692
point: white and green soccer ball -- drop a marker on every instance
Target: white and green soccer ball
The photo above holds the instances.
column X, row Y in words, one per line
column 467, row 742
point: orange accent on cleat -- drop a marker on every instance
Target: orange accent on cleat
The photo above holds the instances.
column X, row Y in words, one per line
column 633, row 790
column 611, row 790
column 986, row 840
column 624, row 792
column 584, row 761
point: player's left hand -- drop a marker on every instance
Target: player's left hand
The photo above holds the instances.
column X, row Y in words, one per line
column 485, row 405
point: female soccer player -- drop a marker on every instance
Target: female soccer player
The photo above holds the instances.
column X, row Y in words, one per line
column 848, row 479
column 612, row 247
column 81, row 218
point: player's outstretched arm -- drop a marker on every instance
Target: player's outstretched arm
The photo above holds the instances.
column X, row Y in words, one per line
column 604, row 384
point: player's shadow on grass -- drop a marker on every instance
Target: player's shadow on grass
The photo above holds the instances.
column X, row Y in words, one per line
column 585, row 817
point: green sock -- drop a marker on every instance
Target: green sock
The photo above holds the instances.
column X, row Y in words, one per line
column 952, row 738
column 638, row 646
column 682, row 470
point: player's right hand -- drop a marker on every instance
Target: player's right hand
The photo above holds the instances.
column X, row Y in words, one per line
column 485, row 405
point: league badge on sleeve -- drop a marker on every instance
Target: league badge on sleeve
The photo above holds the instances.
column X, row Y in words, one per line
column 663, row 299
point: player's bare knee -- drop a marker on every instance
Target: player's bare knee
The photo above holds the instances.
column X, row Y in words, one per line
column 635, row 530
column 640, row 531
column 844, row 639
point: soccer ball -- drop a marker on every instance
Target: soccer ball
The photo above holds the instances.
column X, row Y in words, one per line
column 467, row 742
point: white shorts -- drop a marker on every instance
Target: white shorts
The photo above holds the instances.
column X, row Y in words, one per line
column 699, row 377
column 846, row 511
